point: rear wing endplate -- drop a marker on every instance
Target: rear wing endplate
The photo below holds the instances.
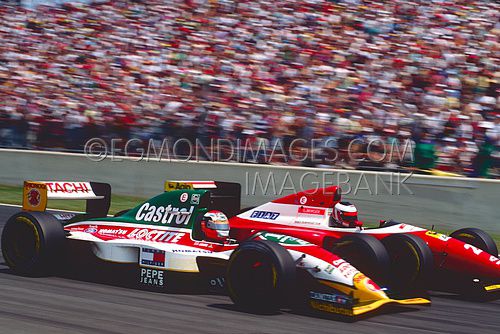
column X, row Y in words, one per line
column 97, row 195
column 224, row 196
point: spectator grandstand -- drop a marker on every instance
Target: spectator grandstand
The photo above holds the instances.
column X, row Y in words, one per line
column 424, row 72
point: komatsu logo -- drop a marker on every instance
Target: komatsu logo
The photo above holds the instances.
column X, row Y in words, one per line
column 165, row 215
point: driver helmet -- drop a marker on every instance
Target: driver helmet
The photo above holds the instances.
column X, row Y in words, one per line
column 215, row 226
column 345, row 214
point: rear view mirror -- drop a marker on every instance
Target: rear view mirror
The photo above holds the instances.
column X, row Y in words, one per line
column 338, row 195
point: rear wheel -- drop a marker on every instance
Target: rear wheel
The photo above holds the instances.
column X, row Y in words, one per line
column 411, row 262
column 32, row 243
column 366, row 253
column 478, row 238
column 261, row 276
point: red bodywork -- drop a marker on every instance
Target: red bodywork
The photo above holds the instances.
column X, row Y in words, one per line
column 450, row 255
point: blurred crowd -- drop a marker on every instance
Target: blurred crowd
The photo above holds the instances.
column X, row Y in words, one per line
column 266, row 71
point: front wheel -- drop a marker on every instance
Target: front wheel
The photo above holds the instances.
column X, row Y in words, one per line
column 32, row 243
column 478, row 238
column 261, row 276
column 412, row 262
column 365, row 253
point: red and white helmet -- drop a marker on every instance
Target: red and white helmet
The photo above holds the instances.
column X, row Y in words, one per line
column 345, row 214
column 215, row 226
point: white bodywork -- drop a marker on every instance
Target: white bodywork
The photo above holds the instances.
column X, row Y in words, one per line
column 312, row 217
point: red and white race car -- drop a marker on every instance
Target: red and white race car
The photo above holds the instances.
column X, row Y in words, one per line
column 175, row 241
column 397, row 255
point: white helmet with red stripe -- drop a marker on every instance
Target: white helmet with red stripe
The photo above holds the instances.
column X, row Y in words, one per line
column 345, row 214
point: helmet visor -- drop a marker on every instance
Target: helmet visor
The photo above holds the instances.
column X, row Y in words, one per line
column 217, row 226
column 349, row 217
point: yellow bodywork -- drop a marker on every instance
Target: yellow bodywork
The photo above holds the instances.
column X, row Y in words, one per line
column 367, row 294
column 492, row 288
column 176, row 185
column 34, row 196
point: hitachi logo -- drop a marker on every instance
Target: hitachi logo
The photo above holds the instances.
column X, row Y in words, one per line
column 165, row 215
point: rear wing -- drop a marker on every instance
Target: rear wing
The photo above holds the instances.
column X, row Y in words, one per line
column 97, row 195
column 224, row 196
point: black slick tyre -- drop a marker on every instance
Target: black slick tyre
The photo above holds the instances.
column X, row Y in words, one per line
column 366, row 253
column 477, row 238
column 412, row 262
column 261, row 276
column 32, row 243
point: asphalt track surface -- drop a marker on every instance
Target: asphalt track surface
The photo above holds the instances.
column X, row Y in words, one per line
column 61, row 305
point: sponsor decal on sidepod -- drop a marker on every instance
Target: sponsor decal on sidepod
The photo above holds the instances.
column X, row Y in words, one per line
column 165, row 215
column 331, row 298
column 195, row 199
column 145, row 234
column 90, row 230
column 265, row 215
column 312, row 211
column 152, row 257
column 152, row 277
column 155, row 235
column 330, row 308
